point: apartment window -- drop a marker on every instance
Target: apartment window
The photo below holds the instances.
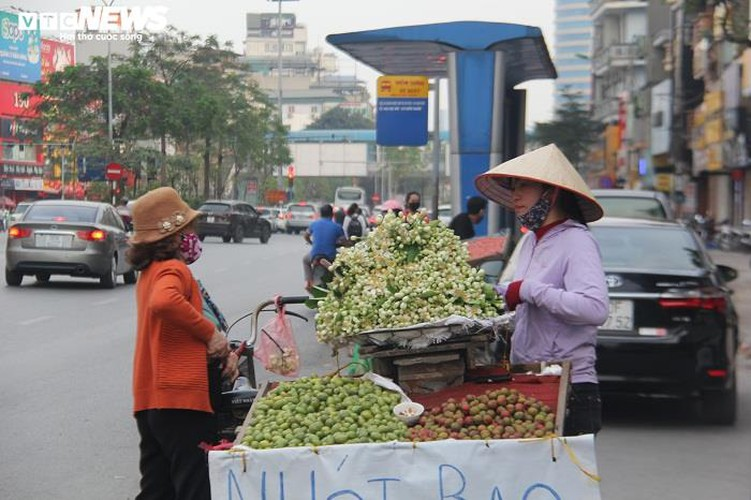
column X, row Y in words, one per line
column 657, row 119
column 314, row 109
column 574, row 24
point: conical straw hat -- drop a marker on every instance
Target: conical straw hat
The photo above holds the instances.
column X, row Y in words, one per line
column 547, row 165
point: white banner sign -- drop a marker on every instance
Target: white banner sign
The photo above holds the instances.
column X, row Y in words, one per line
column 543, row 469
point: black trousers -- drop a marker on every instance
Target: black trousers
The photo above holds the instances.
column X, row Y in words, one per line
column 584, row 410
column 173, row 466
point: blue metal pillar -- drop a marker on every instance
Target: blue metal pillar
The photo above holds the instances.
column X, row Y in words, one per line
column 476, row 80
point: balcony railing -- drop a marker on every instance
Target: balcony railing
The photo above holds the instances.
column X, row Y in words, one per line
column 596, row 5
column 622, row 54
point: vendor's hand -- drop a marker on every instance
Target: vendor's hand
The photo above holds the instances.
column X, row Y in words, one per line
column 501, row 288
column 229, row 370
column 218, row 347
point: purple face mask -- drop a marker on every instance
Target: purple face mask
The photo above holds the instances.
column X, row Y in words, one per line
column 190, row 247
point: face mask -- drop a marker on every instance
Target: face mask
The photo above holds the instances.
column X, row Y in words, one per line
column 536, row 215
column 190, row 247
column 414, row 206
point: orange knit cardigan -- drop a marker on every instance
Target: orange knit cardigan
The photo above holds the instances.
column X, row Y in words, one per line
column 170, row 367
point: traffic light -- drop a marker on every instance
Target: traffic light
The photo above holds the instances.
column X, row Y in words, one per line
column 290, row 176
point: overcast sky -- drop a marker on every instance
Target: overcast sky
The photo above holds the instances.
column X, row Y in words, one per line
column 226, row 19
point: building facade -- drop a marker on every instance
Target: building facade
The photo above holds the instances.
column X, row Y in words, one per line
column 619, row 75
column 573, row 50
column 26, row 168
column 306, row 78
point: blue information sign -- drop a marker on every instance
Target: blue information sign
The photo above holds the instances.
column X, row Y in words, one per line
column 402, row 111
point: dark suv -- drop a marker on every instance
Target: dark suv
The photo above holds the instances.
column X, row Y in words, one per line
column 232, row 220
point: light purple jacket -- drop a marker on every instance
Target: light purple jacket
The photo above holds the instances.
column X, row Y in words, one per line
column 564, row 300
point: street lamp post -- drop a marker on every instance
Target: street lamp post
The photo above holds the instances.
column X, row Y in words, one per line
column 109, row 81
column 279, row 63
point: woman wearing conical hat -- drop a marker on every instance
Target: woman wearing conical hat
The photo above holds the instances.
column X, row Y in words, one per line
column 558, row 290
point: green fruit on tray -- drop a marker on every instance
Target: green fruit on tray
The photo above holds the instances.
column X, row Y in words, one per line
column 315, row 411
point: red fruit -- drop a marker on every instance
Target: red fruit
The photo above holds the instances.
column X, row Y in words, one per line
column 501, row 400
column 468, row 421
column 492, row 404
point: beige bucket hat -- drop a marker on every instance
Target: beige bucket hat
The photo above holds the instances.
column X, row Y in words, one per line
column 547, row 165
column 160, row 213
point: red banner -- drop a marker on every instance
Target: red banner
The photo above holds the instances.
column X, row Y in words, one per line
column 15, row 102
column 56, row 56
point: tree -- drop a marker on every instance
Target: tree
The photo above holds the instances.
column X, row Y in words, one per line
column 167, row 54
column 341, row 119
column 572, row 130
column 175, row 88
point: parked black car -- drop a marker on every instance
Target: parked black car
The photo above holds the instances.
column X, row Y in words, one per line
column 673, row 328
column 232, row 220
column 634, row 203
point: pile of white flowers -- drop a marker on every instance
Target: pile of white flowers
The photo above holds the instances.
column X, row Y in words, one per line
column 405, row 272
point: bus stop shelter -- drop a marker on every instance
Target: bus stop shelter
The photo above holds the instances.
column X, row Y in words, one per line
column 483, row 62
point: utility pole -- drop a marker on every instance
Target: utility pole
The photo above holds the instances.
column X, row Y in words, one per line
column 109, row 82
column 279, row 64
column 436, row 145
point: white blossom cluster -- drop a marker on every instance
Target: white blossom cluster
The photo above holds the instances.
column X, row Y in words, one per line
column 407, row 271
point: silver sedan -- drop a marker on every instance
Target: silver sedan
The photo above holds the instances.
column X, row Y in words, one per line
column 67, row 237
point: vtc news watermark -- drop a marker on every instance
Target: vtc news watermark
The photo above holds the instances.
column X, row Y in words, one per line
column 98, row 22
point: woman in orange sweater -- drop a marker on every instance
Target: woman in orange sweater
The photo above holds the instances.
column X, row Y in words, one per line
column 173, row 345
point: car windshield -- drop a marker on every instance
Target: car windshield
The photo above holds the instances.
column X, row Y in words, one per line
column 650, row 248
column 62, row 213
column 263, row 211
column 214, row 208
column 638, row 208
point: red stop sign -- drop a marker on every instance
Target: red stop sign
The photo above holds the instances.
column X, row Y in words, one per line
column 113, row 172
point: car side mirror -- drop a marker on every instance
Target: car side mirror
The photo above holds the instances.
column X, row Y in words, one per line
column 728, row 273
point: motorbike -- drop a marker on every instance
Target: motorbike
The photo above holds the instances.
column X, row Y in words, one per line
column 321, row 267
column 321, row 264
column 238, row 396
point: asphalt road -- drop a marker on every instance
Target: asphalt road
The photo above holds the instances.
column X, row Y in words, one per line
column 66, row 429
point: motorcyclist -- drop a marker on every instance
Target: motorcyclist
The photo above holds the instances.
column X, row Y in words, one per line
column 325, row 236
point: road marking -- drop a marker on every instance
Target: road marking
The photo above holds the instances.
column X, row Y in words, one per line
column 104, row 302
column 34, row 320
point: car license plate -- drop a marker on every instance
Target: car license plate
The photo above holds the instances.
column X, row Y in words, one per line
column 620, row 316
column 210, row 219
column 53, row 240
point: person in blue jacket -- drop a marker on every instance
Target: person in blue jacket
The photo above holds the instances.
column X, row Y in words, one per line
column 325, row 236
